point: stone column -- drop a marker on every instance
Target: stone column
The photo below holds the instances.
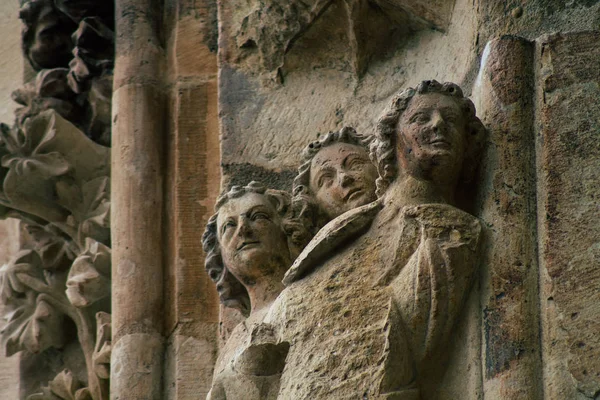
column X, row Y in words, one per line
column 137, row 203
column 504, row 98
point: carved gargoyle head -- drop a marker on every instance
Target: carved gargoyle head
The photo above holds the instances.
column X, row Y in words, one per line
column 247, row 240
column 336, row 176
column 430, row 132
column 46, row 35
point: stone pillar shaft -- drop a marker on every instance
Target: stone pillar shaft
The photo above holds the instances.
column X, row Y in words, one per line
column 137, row 203
column 505, row 96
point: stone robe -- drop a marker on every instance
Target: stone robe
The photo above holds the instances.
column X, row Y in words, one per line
column 372, row 299
column 250, row 364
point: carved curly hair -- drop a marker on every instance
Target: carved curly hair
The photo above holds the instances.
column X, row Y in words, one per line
column 383, row 148
column 306, row 210
column 232, row 292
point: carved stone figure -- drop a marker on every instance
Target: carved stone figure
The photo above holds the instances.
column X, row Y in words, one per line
column 372, row 299
column 247, row 247
column 336, row 176
column 46, row 35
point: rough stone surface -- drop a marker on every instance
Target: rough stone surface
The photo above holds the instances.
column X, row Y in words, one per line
column 266, row 125
column 568, row 154
column 12, row 61
column 11, row 78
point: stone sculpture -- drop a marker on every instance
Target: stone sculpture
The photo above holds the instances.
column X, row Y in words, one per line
column 56, row 181
column 56, row 291
column 372, row 299
column 46, row 34
column 336, row 176
column 247, row 247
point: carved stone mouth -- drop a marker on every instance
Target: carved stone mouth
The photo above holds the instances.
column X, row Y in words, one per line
column 440, row 140
column 246, row 244
column 443, row 143
column 351, row 192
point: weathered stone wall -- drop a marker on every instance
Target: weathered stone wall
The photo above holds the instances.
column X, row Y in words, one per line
column 11, row 79
column 568, row 118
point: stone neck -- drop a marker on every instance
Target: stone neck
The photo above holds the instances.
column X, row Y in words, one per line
column 408, row 190
column 264, row 292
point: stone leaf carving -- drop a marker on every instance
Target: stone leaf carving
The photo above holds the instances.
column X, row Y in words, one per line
column 93, row 53
column 49, row 90
column 56, row 251
column 39, row 162
column 33, row 323
column 77, row 84
column 56, row 179
column 84, row 99
column 63, row 387
column 89, row 205
column 89, row 277
column 103, row 349
column 37, row 303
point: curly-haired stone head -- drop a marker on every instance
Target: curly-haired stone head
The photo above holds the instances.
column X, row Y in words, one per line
column 247, row 247
column 336, row 176
column 430, row 132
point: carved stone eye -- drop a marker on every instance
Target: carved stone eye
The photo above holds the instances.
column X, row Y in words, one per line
column 213, row 274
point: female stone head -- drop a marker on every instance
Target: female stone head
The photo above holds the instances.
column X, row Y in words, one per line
column 430, row 132
column 246, row 242
column 336, row 176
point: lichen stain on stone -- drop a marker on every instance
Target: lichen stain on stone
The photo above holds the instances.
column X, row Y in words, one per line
column 240, row 102
column 500, row 350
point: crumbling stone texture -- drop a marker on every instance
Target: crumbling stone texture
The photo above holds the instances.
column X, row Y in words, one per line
column 568, row 198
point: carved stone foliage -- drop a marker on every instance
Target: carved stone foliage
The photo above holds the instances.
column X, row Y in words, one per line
column 55, row 178
column 72, row 43
column 56, row 181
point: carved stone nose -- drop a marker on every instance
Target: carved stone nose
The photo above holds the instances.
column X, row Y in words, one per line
column 244, row 226
column 345, row 179
column 437, row 122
